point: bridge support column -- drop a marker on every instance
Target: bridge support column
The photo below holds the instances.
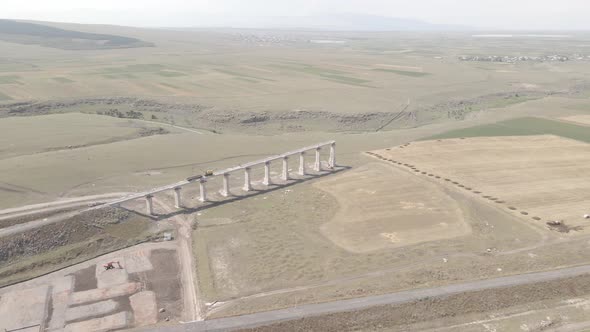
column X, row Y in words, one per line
column 266, row 180
column 332, row 161
column 177, row 198
column 247, row 183
column 302, row 163
column 149, row 205
column 225, row 189
column 203, row 189
column 318, row 164
column 285, row 175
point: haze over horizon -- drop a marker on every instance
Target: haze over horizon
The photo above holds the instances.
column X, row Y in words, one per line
column 498, row 14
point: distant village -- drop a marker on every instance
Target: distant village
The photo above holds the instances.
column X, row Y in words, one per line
column 513, row 59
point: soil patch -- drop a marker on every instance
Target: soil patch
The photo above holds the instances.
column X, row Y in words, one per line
column 85, row 279
column 164, row 281
column 382, row 207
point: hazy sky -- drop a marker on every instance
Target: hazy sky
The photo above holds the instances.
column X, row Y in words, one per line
column 509, row 14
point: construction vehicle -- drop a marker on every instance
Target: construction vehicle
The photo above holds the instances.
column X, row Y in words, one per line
column 196, row 177
column 111, row 265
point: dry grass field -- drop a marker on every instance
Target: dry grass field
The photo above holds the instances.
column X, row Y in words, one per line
column 225, row 70
column 21, row 135
column 381, row 207
column 211, row 99
column 540, row 177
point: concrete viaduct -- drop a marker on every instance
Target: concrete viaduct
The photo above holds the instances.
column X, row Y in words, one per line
column 246, row 168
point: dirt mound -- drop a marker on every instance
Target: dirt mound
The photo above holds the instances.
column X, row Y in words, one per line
column 78, row 228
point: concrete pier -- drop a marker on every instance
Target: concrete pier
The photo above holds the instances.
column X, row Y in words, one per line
column 266, row 180
column 203, row 190
column 177, row 198
column 317, row 166
column 149, row 205
column 332, row 160
column 285, row 174
column 247, row 167
column 247, row 182
column 302, row 163
column 225, row 189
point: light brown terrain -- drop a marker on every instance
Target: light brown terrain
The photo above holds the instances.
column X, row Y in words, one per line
column 582, row 119
column 381, row 207
column 542, row 177
column 109, row 122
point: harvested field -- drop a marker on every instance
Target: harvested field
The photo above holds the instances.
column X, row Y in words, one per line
column 545, row 176
column 396, row 211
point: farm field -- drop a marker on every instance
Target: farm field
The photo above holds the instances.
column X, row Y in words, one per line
column 540, row 177
column 223, row 70
column 522, row 127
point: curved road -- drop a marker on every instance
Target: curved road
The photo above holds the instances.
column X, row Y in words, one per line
column 269, row 317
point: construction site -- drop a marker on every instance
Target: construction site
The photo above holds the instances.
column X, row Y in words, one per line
column 231, row 180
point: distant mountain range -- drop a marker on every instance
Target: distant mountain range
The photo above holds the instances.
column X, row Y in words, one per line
column 351, row 22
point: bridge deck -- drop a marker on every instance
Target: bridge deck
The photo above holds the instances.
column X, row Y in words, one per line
column 216, row 173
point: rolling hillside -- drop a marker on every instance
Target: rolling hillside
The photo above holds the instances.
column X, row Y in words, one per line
column 38, row 34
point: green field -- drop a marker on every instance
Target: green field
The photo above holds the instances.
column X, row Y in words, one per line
column 4, row 97
column 167, row 73
column 10, row 79
column 521, row 127
column 62, row 80
column 242, row 75
column 403, row 72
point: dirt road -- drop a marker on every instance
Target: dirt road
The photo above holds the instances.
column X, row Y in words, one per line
column 192, row 308
column 48, row 207
column 265, row 318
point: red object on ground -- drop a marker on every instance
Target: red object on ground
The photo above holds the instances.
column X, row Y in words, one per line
column 110, row 265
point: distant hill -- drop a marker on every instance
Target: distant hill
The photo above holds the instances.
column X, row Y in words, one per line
column 336, row 22
column 38, row 34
